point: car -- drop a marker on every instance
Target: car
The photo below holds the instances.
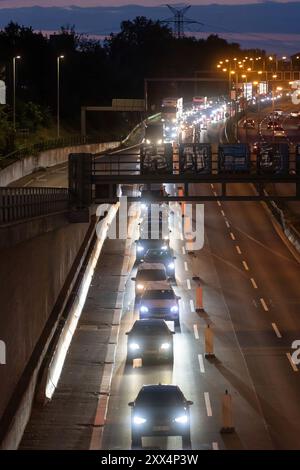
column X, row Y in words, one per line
column 295, row 114
column 143, row 245
column 160, row 302
column 271, row 124
column 249, row 123
column 150, row 339
column 256, row 147
column 150, row 276
column 278, row 112
column 161, row 256
column 160, row 410
column 279, row 131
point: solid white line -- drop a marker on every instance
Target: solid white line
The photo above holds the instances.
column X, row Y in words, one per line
column 201, row 363
column 186, row 266
column 245, row 266
column 294, row 367
column 223, row 213
column 215, row 446
column 188, row 284
column 181, row 236
column 29, row 182
column 215, row 194
column 264, row 305
column 207, row 404
column 227, row 223
column 212, row 186
column 218, row 202
column 232, row 236
column 192, row 306
column 275, row 328
column 238, row 249
column 253, row 283
column 196, row 332
column 183, row 250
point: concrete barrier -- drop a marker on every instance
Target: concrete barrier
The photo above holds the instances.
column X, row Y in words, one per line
column 48, row 158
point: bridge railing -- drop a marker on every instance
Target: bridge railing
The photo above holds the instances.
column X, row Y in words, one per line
column 17, row 204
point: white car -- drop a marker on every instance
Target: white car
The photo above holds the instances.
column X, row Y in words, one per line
column 150, row 276
column 160, row 303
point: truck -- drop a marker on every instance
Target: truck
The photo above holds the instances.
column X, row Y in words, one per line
column 171, row 110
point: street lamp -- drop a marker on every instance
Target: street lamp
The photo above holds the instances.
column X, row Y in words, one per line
column 15, row 58
column 59, row 58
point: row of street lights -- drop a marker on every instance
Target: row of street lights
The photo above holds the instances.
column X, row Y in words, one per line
column 59, row 58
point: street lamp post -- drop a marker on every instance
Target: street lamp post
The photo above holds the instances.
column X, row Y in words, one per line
column 15, row 58
column 58, row 94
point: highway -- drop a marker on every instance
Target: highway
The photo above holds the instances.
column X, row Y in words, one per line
column 251, row 301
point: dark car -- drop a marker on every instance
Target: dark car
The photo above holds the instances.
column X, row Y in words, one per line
column 249, row 123
column 160, row 303
column 160, row 410
column 161, row 256
column 143, row 245
column 150, row 340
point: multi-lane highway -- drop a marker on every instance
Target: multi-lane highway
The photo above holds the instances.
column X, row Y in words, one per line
column 251, row 302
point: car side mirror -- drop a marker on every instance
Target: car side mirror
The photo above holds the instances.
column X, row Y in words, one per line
column 173, row 332
column 189, row 402
column 133, row 278
column 178, row 297
column 127, row 333
column 174, row 257
column 131, row 403
column 170, row 279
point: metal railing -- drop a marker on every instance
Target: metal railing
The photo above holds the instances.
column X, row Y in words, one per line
column 23, row 203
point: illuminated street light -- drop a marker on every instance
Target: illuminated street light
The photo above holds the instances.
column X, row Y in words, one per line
column 59, row 58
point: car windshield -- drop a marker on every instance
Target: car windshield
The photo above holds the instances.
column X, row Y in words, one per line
column 151, row 275
column 164, row 397
column 150, row 328
column 157, row 254
column 159, row 294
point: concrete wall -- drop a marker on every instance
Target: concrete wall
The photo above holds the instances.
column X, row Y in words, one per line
column 48, row 158
column 32, row 275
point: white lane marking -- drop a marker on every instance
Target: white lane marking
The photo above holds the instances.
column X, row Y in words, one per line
column 212, row 186
column 294, row 367
column 196, row 332
column 245, row 266
column 227, row 224
column 218, row 202
column 215, row 194
column 201, row 363
column 223, row 213
column 181, row 236
column 232, row 236
column 207, row 404
column 29, row 182
column 183, row 250
column 238, row 249
column 264, row 304
column 215, row 446
column 188, row 284
column 192, row 306
column 253, row 283
column 275, row 328
column 186, row 266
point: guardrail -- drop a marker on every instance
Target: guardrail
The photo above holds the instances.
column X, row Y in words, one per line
column 22, row 203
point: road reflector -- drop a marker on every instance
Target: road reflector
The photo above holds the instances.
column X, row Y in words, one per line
column 209, row 343
column 138, row 362
column 199, row 299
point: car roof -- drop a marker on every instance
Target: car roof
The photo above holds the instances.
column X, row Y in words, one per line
column 143, row 266
column 160, row 388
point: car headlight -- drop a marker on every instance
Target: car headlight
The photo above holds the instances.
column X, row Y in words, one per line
column 140, row 248
column 165, row 346
column 140, row 286
column 139, row 420
column 159, row 142
column 182, row 419
column 144, row 206
column 164, row 247
column 148, row 141
column 171, row 266
column 174, row 309
column 144, row 309
column 134, row 346
column 166, row 237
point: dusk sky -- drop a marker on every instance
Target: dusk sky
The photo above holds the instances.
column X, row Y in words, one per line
column 107, row 3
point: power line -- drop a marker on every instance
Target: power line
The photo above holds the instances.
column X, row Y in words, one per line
column 179, row 20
